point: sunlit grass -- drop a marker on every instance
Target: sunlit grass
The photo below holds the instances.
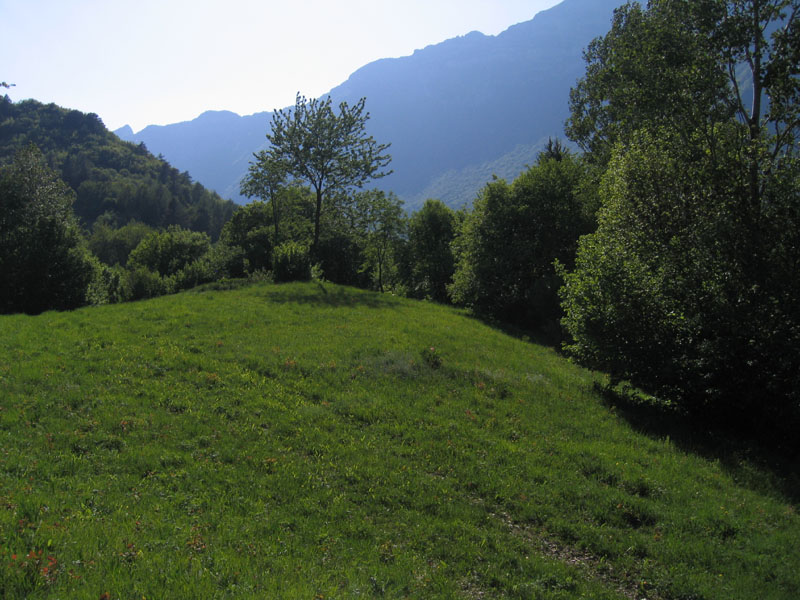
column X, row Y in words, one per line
column 298, row 441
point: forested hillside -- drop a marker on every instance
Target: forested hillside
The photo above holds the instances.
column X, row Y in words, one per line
column 117, row 180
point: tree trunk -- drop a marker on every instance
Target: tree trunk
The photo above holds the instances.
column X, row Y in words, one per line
column 317, row 212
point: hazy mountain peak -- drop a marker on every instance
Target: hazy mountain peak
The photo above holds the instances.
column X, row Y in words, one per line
column 451, row 110
column 125, row 133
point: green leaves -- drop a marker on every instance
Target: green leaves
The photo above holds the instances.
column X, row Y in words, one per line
column 509, row 242
column 330, row 152
column 43, row 262
column 686, row 288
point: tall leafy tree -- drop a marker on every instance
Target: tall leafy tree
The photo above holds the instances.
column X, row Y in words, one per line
column 329, row 151
column 266, row 179
column 43, row 261
column 508, row 244
column 687, row 287
column 429, row 255
column 380, row 222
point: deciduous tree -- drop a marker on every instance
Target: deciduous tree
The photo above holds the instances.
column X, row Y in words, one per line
column 689, row 288
column 43, row 260
column 329, row 151
column 507, row 245
column 429, row 254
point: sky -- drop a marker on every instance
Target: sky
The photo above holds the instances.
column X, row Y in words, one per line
column 144, row 62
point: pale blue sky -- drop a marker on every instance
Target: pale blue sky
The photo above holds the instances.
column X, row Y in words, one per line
column 143, row 62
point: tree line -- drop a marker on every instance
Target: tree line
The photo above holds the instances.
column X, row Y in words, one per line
column 113, row 180
column 665, row 253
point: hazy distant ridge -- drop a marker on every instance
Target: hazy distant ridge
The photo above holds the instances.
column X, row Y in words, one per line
column 452, row 111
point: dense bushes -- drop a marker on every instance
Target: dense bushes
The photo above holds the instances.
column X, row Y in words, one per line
column 427, row 262
column 678, row 293
column 168, row 252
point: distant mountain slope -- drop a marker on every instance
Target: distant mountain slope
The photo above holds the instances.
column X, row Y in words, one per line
column 111, row 178
column 449, row 110
column 215, row 148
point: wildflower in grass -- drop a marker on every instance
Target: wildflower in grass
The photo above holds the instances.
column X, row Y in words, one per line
column 431, row 357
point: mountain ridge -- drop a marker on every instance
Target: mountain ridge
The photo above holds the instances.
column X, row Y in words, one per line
column 451, row 107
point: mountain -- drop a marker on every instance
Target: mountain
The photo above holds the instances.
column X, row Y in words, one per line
column 215, row 148
column 113, row 179
column 455, row 112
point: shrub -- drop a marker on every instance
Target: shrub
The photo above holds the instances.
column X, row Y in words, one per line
column 291, row 262
column 141, row 283
column 43, row 261
column 167, row 252
column 107, row 284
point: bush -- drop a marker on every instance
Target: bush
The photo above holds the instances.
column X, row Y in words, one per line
column 141, row 283
column 113, row 246
column 167, row 252
column 507, row 245
column 212, row 266
column 291, row 262
column 107, row 285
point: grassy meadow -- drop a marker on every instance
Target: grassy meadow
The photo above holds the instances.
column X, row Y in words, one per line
column 314, row 441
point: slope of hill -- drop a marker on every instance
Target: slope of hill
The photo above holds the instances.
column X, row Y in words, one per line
column 453, row 107
column 117, row 179
column 301, row 441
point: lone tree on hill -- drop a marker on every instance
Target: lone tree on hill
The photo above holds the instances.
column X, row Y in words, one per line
column 329, row 151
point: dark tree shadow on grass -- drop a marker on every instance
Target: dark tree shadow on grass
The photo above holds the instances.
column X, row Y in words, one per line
column 753, row 458
column 321, row 294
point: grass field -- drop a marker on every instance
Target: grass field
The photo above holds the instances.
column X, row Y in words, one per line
column 313, row 441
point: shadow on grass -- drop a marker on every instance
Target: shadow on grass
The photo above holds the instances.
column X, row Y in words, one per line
column 548, row 333
column 320, row 294
column 759, row 462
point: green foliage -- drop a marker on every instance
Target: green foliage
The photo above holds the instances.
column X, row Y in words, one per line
column 431, row 357
column 43, row 260
column 689, row 286
column 266, row 179
column 214, row 265
column 140, row 283
column 117, row 179
column 508, row 243
column 677, row 291
column 380, row 221
column 167, row 252
column 289, row 442
column 340, row 255
column 291, row 262
column 113, row 246
column 330, row 152
column 107, row 285
column 428, row 262
column 655, row 66
column 248, row 234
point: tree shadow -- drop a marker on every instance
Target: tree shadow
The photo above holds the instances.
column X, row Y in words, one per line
column 753, row 459
column 321, row 294
column 548, row 333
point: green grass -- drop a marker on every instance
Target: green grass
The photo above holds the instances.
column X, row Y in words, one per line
column 300, row 441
